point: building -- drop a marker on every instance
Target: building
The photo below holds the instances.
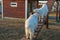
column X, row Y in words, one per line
column 18, row 8
column 14, row 8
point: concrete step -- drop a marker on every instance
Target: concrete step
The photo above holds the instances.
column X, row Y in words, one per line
column 52, row 17
column 54, row 22
column 52, row 14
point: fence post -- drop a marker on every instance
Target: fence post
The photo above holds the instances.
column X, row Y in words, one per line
column 47, row 20
column 57, row 11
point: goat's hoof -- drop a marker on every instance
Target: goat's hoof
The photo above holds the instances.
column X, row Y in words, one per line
column 27, row 38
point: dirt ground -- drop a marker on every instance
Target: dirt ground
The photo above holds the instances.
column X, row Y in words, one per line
column 53, row 33
column 13, row 29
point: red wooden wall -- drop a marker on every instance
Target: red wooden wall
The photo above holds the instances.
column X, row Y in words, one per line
column 17, row 12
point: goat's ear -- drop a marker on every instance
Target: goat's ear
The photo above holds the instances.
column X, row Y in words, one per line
column 31, row 13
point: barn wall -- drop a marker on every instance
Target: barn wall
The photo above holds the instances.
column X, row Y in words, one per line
column 17, row 12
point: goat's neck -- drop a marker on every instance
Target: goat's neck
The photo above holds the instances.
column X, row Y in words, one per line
column 36, row 14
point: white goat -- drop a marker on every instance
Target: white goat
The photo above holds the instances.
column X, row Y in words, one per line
column 32, row 22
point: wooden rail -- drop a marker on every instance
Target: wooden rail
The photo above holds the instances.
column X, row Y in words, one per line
column 38, row 29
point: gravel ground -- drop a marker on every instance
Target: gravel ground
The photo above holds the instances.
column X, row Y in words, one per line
column 11, row 33
column 53, row 33
column 11, row 29
column 14, row 30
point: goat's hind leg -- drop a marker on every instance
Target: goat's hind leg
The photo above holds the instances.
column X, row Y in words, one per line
column 27, row 33
column 31, row 34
